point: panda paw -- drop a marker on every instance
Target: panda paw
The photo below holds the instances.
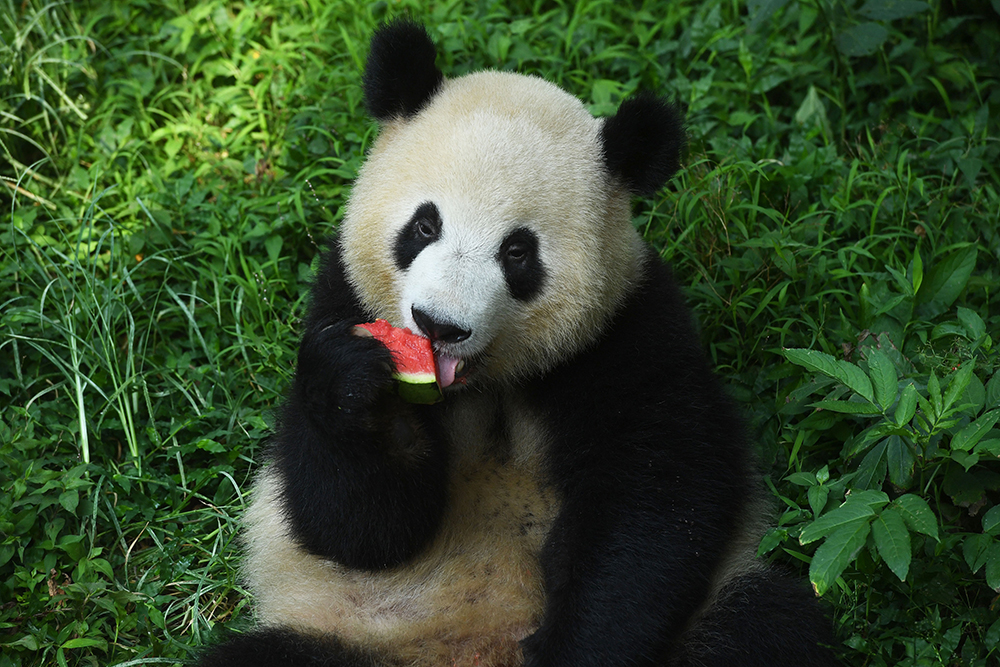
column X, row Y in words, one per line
column 340, row 371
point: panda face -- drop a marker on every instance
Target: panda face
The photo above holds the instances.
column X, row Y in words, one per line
column 488, row 223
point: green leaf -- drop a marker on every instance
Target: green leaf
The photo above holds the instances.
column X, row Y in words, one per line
column 863, row 39
column 890, row 10
column 993, row 567
column 945, row 281
column 848, row 407
column 900, row 461
column 761, row 10
column 836, row 553
column 892, row 540
column 870, row 498
column 817, row 496
column 958, row 384
column 85, row 642
column 993, row 391
column 934, row 394
column 992, row 637
column 989, row 446
column 873, row 469
column 273, row 246
column 883, row 376
column 69, row 500
column 976, row 550
column 907, row 405
column 842, row 371
column 845, row 515
column 991, row 521
column 973, row 323
column 967, row 438
column 917, row 514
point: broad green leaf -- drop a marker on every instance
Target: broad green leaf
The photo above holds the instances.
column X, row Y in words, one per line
column 69, row 500
column 989, row 446
column 957, row 385
column 975, row 549
column 802, row 478
column 890, row 10
column 965, row 459
column 849, row 407
column 835, row 519
column 772, row 538
column 967, row 438
column 993, row 391
column 870, row 498
column 273, row 247
column 892, row 540
column 993, row 566
column 917, row 514
column 900, row 461
column 761, row 10
column 817, row 495
column 992, row 637
column 863, row 39
column 991, row 521
column 873, row 469
column 945, row 281
column 846, row 373
column 973, row 323
column 836, row 553
column 934, row 394
column 883, row 376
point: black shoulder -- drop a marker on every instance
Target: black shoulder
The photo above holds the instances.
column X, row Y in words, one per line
column 642, row 143
column 400, row 75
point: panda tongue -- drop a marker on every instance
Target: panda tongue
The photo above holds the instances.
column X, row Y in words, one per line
column 446, row 368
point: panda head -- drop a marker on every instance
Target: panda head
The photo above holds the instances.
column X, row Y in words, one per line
column 493, row 211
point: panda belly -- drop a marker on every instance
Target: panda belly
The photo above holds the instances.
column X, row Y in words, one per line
column 468, row 598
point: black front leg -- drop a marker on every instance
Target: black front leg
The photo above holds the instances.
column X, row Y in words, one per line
column 363, row 473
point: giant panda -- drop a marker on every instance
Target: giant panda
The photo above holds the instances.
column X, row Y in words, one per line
column 585, row 493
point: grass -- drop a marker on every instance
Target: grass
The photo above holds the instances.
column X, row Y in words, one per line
column 168, row 171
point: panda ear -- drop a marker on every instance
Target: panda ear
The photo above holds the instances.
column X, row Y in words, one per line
column 400, row 75
column 642, row 143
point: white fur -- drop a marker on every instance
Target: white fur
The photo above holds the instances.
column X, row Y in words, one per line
column 495, row 151
column 469, row 597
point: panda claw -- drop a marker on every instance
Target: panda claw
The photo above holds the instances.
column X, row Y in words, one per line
column 361, row 332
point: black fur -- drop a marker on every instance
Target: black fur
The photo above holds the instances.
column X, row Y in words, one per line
column 740, row 628
column 279, row 646
column 361, row 493
column 522, row 267
column 642, row 143
column 400, row 75
column 423, row 229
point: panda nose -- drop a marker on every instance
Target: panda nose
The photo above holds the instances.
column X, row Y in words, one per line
column 446, row 332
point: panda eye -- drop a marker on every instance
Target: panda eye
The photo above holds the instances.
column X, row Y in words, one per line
column 518, row 252
column 426, row 229
column 521, row 262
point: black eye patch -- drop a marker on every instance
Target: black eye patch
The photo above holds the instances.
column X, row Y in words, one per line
column 423, row 229
column 522, row 266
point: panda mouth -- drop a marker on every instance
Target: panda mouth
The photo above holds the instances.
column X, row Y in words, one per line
column 451, row 370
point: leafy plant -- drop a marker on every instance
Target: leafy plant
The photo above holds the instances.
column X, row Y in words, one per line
column 168, row 172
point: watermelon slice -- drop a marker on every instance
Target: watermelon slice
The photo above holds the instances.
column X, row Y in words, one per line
column 414, row 357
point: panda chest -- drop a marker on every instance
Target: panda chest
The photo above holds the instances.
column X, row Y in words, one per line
column 477, row 589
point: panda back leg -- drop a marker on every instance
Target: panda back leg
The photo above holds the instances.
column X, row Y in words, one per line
column 763, row 618
column 281, row 647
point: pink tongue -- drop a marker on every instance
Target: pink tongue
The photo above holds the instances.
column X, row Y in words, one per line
column 445, row 369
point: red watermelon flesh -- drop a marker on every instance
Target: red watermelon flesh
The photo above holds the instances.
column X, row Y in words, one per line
column 414, row 358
